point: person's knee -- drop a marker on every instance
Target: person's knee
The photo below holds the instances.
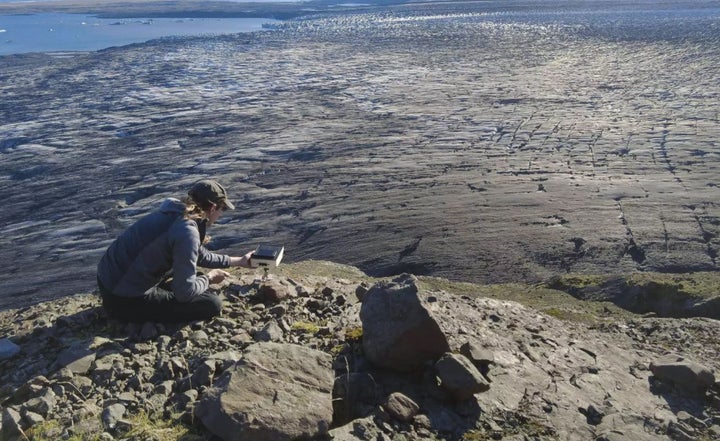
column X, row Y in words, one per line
column 212, row 306
column 217, row 305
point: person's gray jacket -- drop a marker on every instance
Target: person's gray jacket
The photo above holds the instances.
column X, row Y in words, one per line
column 160, row 244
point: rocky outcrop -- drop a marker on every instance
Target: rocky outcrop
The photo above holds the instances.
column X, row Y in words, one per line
column 510, row 371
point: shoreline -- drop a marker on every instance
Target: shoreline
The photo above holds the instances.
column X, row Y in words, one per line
column 56, row 34
column 179, row 9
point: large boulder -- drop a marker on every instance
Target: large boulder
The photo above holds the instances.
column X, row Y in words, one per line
column 399, row 330
column 276, row 392
column 689, row 378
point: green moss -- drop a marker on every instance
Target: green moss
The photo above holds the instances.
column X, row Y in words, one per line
column 45, row 431
column 336, row 350
column 696, row 285
column 569, row 282
column 353, row 334
column 475, row 435
column 146, row 428
column 305, row 327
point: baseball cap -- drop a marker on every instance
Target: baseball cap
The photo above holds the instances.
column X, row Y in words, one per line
column 208, row 190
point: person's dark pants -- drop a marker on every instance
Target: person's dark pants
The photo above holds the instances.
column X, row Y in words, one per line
column 160, row 305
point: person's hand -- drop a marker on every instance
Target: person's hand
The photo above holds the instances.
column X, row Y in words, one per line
column 243, row 261
column 217, row 275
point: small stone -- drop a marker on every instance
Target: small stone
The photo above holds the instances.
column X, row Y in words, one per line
column 361, row 290
column 278, row 310
column 64, row 374
column 715, row 431
column 163, row 342
column 128, row 398
column 272, row 291
column 270, row 332
column 241, row 338
column 422, row 422
column 164, row 388
column 199, row 338
column 182, row 400
column 12, row 426
column 32, row 418
column 203, row 375
column 44, row 404
column 78, row 359
column 401, row 407
column 112, row 414
column 460, row 377
column 257, row 308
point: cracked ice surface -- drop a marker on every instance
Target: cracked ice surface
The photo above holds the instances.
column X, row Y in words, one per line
column 465, row 141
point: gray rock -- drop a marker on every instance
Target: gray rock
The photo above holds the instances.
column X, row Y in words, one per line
column 362, row 429
column 30, row 389
column 278, row 310
column 44, row 404
column 460, row 377
column 32, row 418
column 361, row 291
column 681, row 432
column 199, row 338
column 690, row 420
column 715, row 431
column 181, row 400
column 8, row 349
column 689, row 377
column 624, row 426
column 270, row 332
column 174, row 367
column 442, row 419
column 482, row 358
column 399, row 332
column 78, row 358
column 164, row 388
column 12, row 426
column 203, row 375
column 225, row 359
column 272, row 291
column 112, row 414
column 401, row 407
column 276, row 392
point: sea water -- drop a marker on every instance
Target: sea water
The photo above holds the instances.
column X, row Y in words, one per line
column 74, row 32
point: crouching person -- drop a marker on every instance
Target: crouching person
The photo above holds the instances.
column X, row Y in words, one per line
column 149, row 273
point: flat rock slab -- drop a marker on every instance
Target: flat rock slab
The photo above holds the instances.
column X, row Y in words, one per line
column 276, row 392
column 514, row 150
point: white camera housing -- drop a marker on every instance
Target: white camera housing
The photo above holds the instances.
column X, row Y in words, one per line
column 267, row 256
